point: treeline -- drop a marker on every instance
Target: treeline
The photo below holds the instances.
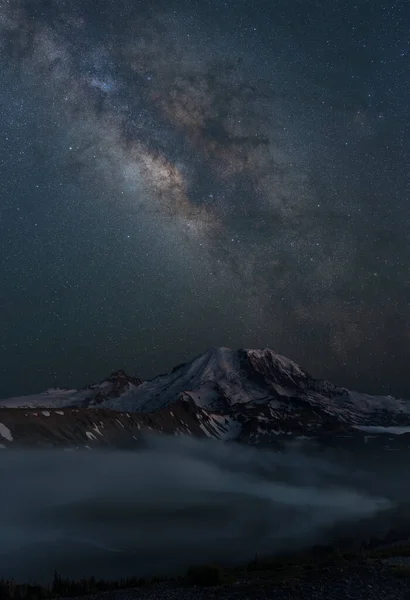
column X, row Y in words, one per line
column 290, row 567
column 63, row 587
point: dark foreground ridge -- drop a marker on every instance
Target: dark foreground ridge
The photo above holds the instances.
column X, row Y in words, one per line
column 322, row 574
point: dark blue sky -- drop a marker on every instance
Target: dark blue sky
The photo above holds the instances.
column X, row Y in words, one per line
column 195, row 174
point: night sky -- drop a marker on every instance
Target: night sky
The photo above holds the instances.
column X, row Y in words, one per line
column 181, row 175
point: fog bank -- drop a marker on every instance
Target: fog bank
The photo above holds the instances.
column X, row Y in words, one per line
column 176, row 502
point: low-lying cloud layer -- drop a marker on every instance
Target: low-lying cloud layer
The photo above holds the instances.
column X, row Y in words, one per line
column 176, row 502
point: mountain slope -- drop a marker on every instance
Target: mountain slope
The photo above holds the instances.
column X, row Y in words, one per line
column 252, row 396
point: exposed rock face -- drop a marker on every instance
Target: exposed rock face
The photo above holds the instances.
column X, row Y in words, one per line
column 114, row 386
column 251, row 396
column 85, row 427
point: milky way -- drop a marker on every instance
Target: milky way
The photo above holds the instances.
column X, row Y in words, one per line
column 174, row 178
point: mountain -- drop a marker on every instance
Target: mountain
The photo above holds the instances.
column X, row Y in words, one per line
column 116, row 385
column 250, row 396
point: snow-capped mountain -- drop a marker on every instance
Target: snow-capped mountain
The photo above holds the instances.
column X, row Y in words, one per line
column 252, row 396
column 117, row 384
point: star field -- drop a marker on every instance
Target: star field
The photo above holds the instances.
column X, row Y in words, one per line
column 193, row 174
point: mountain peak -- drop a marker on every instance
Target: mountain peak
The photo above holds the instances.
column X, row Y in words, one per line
column 122, row 377
column 251, row 395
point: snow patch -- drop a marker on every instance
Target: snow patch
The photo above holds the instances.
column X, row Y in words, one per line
column 90, row 436
column 95, row 427
column 52, row 398
column 5, row 433
column 45, row 413
column 397, row 429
